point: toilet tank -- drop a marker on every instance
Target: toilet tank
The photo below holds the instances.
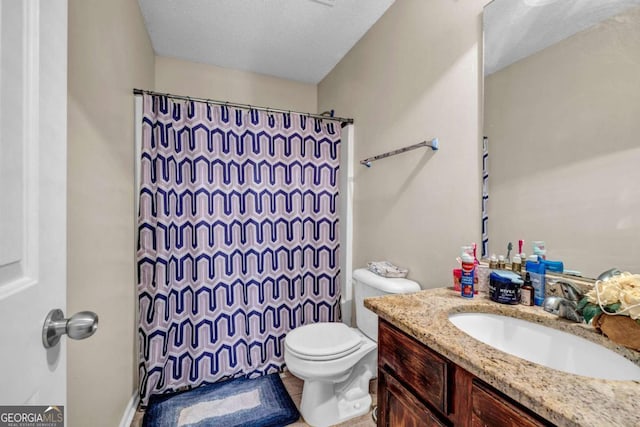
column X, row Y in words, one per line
column 367, row 284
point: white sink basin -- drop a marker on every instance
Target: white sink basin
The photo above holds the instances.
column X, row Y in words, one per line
column 546, row 346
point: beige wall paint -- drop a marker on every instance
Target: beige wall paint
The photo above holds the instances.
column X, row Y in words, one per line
column 414, row 76
column 563, row 135
column 208, row 81
column 109, row 54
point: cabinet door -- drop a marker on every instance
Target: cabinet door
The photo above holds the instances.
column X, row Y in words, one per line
column 423, row 371
column 400, row 408
column 489, row 408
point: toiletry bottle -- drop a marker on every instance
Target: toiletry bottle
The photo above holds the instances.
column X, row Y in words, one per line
column 553, row 266
column 523, row 261
column 516, row 264
column 482, row 278
column 457, row 273
column 501, row 262
column 475, row 253
column 493, row 262
column 539, row 249
column 536, row 272
column 466, row 250
column 467, row 279
column 526, row 291
column 476, row 263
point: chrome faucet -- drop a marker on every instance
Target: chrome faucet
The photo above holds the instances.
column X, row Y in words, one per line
column 565, row 306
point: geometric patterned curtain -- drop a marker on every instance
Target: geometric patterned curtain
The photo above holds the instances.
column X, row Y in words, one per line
column 237, row 239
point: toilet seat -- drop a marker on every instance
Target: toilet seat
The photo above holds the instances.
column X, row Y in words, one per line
column 323, row 341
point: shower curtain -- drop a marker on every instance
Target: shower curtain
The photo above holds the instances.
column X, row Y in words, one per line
column 237, row 239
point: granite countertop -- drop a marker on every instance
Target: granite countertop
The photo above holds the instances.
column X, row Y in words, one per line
column 562, row 398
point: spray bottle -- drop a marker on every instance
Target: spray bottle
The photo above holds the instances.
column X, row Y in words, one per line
column 467, row 278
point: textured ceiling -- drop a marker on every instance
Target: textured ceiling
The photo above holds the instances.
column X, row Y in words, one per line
column 294, row 39
column 515, row 29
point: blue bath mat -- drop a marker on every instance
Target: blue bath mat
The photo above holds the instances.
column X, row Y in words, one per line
column 259, row 402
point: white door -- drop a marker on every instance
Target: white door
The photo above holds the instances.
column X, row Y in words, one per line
column 33, row 117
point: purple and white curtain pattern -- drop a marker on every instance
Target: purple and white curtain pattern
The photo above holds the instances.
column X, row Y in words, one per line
column 238, row 239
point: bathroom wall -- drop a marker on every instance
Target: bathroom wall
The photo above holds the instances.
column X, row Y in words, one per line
column 571, row 111
column 414, row 76
column 207, row 81
column 109, row 54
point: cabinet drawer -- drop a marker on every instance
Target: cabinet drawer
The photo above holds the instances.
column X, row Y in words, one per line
column 399, row 408
column 424, row 372
column 490, row 408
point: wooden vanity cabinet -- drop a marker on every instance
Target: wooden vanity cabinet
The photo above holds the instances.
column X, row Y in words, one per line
column 419, row 387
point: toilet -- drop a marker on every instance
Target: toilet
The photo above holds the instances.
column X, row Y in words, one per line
column 335, row 361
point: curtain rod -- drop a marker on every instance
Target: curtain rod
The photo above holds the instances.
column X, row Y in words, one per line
column 343, row 120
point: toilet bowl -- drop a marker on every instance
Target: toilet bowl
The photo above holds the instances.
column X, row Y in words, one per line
column 336, row 361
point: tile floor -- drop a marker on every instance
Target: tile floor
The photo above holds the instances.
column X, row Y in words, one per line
column 294, row 388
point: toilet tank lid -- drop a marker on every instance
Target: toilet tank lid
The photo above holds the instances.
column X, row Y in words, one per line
column 385, row 284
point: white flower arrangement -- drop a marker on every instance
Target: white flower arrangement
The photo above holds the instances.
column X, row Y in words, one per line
column 619, row 295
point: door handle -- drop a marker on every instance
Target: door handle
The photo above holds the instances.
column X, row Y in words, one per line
column 79, row 326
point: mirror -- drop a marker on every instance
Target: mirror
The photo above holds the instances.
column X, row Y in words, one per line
column 562, row 118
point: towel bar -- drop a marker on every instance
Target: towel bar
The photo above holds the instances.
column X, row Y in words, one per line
column 433, row 144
